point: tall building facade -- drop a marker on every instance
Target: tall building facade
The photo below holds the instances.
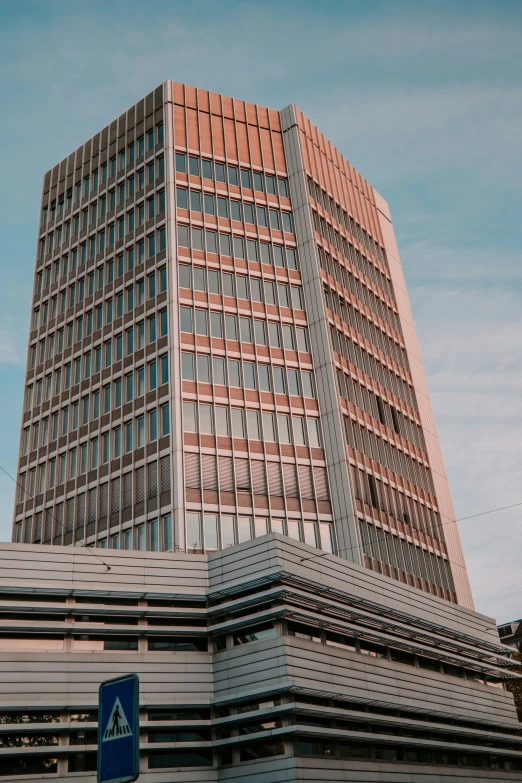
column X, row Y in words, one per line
column 221, row 346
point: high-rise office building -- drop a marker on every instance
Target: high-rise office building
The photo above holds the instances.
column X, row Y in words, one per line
column 221, row 345
column 221, row 348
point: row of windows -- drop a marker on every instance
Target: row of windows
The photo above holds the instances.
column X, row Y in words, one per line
column 360, row 287
column 146, row 248
column 383, row 496
column 344, row 248
column 110, row 397
column 231, row 175
column 93, row 361
column 248, row 375
column 345, row 220
column 365, row 751
column 362, row 646
column 385, row 453
column 373, row 364
column 90, row 182
column 207, row 532
column 238, row 478
column 364, row 324
column 406, row 558
column 230, row 209
column 93, row 321
column 251, row 424
column 121, row 494
column 252, row 250
column 380, row 408
column 91, row 454
column 97, row 211
column 156, row 283
column 244, row 329
column 248, row 752
column 254, row 289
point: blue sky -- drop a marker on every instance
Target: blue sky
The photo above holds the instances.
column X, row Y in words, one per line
column 425, row 99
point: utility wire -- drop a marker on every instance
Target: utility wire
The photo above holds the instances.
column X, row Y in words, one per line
column 46, row 511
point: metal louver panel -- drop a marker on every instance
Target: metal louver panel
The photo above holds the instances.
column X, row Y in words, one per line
column 58, row 522
column 80, row 510
column 192, row 477
column 127, row 490
column 152, row 469
column 38, row 527
column 275, row 483
column 321, row 486
column 92, row 506
column 242, row 474
column 115, row 496
column 290, row 478
column 258, row 477
column 226, row 474
column 209, row 469
column 165, row 474
column 104, row 500
column 305, row 482
column 69, row 518
column 140, row 485
column 48, row 531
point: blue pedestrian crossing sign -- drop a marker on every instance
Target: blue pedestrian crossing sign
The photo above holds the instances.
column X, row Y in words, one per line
column 119, row 730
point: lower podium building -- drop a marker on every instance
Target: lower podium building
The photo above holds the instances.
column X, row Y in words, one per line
column 266, row 662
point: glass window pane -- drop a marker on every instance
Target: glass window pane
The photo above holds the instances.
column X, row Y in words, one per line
column 189, row 417
column 249, row 375
column 185, row 323
column 206, row 422
column 234, row 372
column 266, row 253
column 248, row 210
column 238, row 423
column 201, row 322
column 199, row 279
column 227, row 532
column 195, row 200
column 211, row 238
column 264, row 378
column 225, row 244
column 210, row 525
column 283, row 422
column 254, row 429
column 187, row 366
column 213, row 281
column 268, row 426
column 185, row 277
column 299, row 430
column 242, row 287
column 256, row 289
column 216, row 324
column 222, row 423
column 193, row 531
column 203, row 368
column 279, row 380
column 218, row 370
column 244, row 528
column 228, row 284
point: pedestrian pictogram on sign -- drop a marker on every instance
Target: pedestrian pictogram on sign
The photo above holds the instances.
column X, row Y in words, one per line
column 118, row 725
